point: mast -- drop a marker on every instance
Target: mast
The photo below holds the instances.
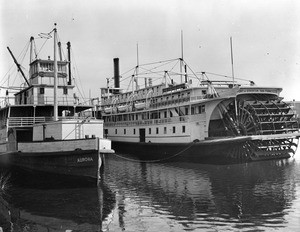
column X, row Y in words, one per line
column 181, row 58
column 55, row 117
column 19, row 66
column 137, row 67
column 232, row 71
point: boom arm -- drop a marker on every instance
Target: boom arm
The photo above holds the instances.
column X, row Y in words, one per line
column 19, row 66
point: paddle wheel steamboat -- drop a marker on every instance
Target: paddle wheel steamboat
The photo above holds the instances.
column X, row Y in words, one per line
column 45, row 127
column 214, row 120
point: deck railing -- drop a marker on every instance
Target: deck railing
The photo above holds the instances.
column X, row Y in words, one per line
column 24, row 121
column 30, row 121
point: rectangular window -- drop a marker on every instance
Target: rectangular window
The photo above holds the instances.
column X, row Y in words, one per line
column 186, row 111
column 183, row 129
column 157, row 130
column 192, row 110
column 42, row 90
column 134, row 131
column 65, row 91
column 165, row 130
column 165, row 114
column 174, row 129
column 116, row 131
column 105, row 133
column 149, row 131
column 124, row 131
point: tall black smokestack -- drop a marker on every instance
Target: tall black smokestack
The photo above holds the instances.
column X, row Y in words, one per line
column 69, row 59
column 116, row 73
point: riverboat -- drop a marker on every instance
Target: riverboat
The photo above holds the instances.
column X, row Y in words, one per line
column 47, row 128
column 197, row 119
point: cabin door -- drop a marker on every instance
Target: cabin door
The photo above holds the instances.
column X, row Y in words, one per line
column 142, row 135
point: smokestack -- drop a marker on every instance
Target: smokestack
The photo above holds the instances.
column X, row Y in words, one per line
column 69, row 65
column 116, row 73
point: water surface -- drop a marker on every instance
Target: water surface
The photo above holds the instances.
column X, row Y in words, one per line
column 135, row 196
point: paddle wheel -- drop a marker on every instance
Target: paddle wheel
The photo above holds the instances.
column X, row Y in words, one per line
column 269, row 124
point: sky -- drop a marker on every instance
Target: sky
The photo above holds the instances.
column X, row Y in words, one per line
column 266, row 36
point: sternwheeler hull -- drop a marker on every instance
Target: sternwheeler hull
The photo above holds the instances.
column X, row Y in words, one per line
column 166, row 152
column 231, row 149
column 81, row 158
column 75, row 163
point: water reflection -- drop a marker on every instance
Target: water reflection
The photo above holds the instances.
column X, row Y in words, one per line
column 253, row 195
column 41, row 203
column 135, row 196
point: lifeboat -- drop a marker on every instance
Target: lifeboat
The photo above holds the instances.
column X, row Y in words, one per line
column 140, row 105
column 108, row 110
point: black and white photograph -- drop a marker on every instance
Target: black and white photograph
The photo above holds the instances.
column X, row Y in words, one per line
column 149, row 115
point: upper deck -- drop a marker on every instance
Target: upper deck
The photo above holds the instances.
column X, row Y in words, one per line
column 162, row 96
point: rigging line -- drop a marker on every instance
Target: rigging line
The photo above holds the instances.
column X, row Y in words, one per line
column 174, row 65
column 194, row 73
column 163, row 64
column 157, row 160
column 12, row 88
column 152, row 72
column 25, row 49
column 163, row 61
column 157, row 73
column 221, row 75
column 77, row 71
column 140, row 66
column 127, row 71
column 24, row 54
column 42, row 47
column 125, row 78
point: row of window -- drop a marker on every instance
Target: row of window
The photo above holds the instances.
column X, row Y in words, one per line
column 150, row 130
column 173, row 112
column 47, row 67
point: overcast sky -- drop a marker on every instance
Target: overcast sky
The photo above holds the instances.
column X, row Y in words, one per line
column 266, row 36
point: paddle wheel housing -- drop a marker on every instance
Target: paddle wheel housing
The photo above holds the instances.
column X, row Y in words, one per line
column 267, row 121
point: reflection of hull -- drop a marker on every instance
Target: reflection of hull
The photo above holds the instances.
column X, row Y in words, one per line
column 57, row 203
column 186, row 190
